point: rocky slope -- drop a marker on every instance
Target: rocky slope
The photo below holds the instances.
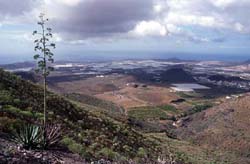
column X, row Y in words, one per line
column 223, row 129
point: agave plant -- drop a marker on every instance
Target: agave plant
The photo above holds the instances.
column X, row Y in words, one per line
column 53, row 135
column 29, row 136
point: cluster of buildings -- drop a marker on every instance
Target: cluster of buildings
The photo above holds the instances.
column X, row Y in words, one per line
column 244, row 84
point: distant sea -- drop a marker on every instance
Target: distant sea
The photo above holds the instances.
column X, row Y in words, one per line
column 111, row 56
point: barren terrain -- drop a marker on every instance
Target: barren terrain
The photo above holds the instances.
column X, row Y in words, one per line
column 130, row 97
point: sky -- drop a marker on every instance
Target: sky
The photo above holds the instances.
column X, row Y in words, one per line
column 127, row 27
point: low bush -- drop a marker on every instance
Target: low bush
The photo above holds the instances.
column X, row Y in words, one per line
column 169, row 108
column 21, row 113
column 73, row 146
column 141, row 152
column 198, row 108
column 150, row 113
column 108, row 154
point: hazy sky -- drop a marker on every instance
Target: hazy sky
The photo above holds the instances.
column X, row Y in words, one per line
column 205, row 27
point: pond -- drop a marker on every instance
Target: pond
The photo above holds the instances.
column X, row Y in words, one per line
column 188, row 87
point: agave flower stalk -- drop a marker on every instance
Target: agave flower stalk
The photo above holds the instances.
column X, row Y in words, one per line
column 43, row 45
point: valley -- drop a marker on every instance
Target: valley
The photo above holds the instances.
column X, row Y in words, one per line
column 185, row 105
column 136, row 83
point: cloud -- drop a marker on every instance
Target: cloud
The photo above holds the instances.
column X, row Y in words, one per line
column 68, row 2
column 215, row 14
column 75, row 20
column 219, row 39
column 18, row 12
column 15, row 7
column 95, row 18
column 150, row 28
column 224, row 4
column 183, row 17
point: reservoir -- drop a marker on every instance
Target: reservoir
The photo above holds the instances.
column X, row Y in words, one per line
column 188, row 87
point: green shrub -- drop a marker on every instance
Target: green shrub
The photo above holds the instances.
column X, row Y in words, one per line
column 148, row 113
column 37, row 115
column 5, row 97
column 198, row 108
column 201, row 107
column 67, row 141
column 11, row 109
column 21, row 113
column 77, row 148
column 94, row 146
column 26, row 113
column 74, row 146
column 169, row 108
column 109, row 154
column 141, row 152
column 127, row 149
column 8, row 124
column 17, row 101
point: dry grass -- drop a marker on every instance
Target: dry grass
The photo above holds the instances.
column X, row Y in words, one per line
column 224, row 127
column 115, row 88
column 130, row 97
column 94, row 85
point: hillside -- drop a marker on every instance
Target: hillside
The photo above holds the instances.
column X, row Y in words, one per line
column 97, row 129
column 223, row 129
column 90, row 100
column 177, row 75
column 89, row 133
column 17, row 66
